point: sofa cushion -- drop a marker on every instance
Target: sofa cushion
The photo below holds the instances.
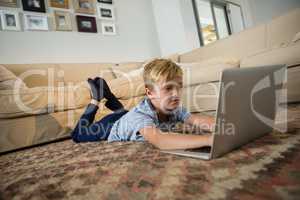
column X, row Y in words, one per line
column 9, row 81
column 216, row 60
column 201, row 97
column 293, row 83
column 5, row 74
column 288, row 55
column 173, row 57
column 35, row 75
column 285, row 55
column 131, row 85
column 237, row 45
column 206, row 71
column 78, row 72
column 282, row 29
column 122, row 69
column 42, row 100
column 296, row 38
column 130, row 103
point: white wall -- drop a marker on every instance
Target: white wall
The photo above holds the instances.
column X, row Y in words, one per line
column 136, row 40
column 265, row 10
column 169, row 25
column 176, row 26
column 145, row 29
column 260, row 11
column 246, row 11
column 189, row 24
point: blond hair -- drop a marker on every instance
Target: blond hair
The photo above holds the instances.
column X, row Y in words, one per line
column 160, row 69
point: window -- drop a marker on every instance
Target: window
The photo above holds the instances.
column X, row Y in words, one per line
column 236, row 18
column 213, row 19
column 221, row 19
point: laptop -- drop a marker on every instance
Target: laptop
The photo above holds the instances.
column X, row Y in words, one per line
column 246, row 109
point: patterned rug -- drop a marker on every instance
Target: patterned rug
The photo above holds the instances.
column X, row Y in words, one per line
column 267, row 168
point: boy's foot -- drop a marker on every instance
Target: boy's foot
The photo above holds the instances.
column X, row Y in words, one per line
column 102, row 84
column 114, row 105
column 97, row 94
column 112, row 102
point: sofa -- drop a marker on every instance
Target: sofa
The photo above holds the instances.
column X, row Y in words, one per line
column 42, row 102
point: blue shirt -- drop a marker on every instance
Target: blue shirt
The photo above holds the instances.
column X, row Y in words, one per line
column 142, row 115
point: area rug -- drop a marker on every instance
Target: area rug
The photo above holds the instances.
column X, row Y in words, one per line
column 268, row 168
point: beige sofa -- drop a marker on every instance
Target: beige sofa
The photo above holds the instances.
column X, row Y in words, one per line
column 42, row 102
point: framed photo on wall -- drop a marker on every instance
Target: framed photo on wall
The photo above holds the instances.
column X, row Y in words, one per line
column 34, row 22
column 106, row 12
column 62, row 21
column 84, row 6
column 10, row 20
column 8, row 3
column 106, row 1
column 59, row 4
column 34, row 5
column 108, row 29
column 86, row 24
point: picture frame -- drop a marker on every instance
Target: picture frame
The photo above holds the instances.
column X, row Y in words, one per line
column 59, row 4
column 62, row 21
column 106, row 12
column 86, row 24
column 34, row 5
column 84, row 6
column 10, row 20
column 106, row 1
column 108, row 28
column 34, row 22
column 9, row 3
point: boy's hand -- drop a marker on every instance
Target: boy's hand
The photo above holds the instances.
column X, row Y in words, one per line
column 201, row 121
column 212, row 122
column 210, row 140
column 175, row 141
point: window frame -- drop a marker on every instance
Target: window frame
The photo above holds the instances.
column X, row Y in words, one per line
column 217, row 3
column 225, row 9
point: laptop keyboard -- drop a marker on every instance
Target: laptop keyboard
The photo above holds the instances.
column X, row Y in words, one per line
column 206, row 149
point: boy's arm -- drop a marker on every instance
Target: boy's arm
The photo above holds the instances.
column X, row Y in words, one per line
column 174, row 141
column 201, row 121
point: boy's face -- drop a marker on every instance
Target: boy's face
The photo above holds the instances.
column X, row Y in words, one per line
column 166, row 95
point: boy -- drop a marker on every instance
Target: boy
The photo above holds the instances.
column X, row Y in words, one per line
column 157, row 111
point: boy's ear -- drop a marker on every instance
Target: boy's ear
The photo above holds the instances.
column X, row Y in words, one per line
column 148, row 91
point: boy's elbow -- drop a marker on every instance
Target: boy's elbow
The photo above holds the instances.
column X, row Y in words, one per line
column 156, row 141
column 155, row 138
column 164, row 146
column 160, row 143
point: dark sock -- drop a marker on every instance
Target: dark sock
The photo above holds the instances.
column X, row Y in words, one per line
column 97, row 93
column 112, row 102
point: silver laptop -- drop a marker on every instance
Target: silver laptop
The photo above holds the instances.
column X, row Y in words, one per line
column 246, row 109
